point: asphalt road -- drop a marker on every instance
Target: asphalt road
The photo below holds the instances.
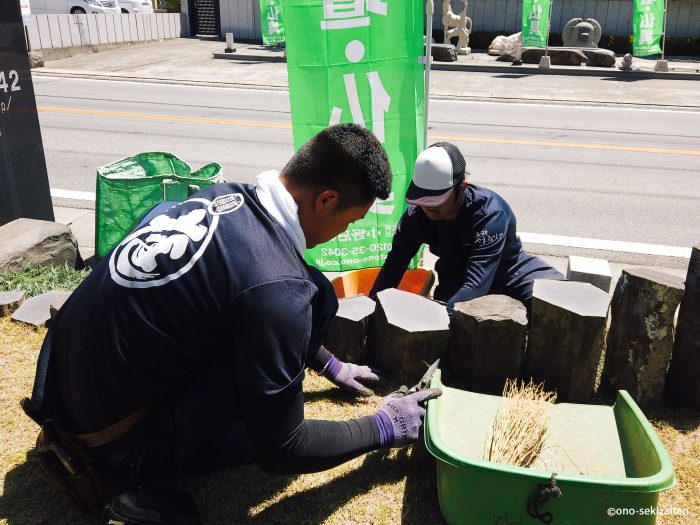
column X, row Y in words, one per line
column 600, row 173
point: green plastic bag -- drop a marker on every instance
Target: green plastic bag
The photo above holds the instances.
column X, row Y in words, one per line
column 130, row 187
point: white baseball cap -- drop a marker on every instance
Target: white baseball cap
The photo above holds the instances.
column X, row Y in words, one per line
column 438, row 169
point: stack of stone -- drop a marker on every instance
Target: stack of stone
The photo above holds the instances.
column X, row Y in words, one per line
column 31, row 243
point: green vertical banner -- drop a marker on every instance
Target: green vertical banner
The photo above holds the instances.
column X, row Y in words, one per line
column 271, row 22
column 535, row 22
column 648, row 27
column 359, row 61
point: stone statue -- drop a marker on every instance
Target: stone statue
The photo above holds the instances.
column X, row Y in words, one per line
column 505, row 45
column 581, row 33
column 459, row 26
column 626, row 63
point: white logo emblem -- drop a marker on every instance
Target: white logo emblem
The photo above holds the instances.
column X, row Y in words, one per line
column 178, row 241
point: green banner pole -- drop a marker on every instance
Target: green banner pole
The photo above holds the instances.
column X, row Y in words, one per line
column 429, row 10
column 663, row 49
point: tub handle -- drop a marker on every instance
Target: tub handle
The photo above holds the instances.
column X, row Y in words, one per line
column 542, row 495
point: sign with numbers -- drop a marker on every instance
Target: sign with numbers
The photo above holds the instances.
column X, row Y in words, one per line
column 24, row 184
column 359, row 61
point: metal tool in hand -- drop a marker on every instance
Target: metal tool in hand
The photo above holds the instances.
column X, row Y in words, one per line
column 423, row 384
column 425, row 380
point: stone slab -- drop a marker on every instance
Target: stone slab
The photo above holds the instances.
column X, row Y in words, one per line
column 443, row 52
column 590, row 270
column 565, row 341
column 31, row 242
column 487, row 343
column 683, row 380
column 599, row 57
column 558, row 57
column 640, row 339
column 347, row 336
column 36, row 310
column 408, row 332
column 10, row 301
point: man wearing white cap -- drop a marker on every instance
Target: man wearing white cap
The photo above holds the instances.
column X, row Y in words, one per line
column 471, row 229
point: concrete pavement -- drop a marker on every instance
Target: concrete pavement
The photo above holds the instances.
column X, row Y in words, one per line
column 190, row 61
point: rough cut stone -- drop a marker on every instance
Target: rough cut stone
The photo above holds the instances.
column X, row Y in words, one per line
column 443, row 53
column 599, row 57
column 347, row 335
column 10, row 301
column 589, row 270
column 566, row 335
column 36, row 59
column 640, row 339
column 32, row 242
column 408, row 332
column 558, row 56
column 683, row 381
column 487, row 343
column 56, row 306
column 36, row 310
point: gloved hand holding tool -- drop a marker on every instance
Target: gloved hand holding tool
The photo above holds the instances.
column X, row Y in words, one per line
column 401, row 414
column 348, row 376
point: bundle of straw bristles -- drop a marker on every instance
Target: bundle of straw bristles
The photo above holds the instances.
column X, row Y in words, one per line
column 521, row 424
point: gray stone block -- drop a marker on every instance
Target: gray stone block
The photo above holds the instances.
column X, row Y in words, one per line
column 640, row 339
column 558, row 56
column 487, row 343
column 599, row 57
column 408, row 332
column 566, row 335
column 347, row 336
column 589, row 270
column 37, row 310
column 10, row 301
column 683, row 380
column 443, row 53
column 32, row 242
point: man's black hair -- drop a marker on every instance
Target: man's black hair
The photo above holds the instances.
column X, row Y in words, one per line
column 347, row 158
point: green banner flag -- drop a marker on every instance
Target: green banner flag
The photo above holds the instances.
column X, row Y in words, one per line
column 271, row 22
column 648, row 26
column 535, row 22
column 358, row 61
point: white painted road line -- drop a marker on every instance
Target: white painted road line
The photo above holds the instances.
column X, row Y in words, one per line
column 533, row 238
column 70, row 194
column 602, row 244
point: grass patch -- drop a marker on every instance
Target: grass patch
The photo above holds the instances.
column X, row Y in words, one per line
column 37, row 280
column 397, row 486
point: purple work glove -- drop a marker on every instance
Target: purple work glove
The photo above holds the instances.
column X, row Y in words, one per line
column 348, row 375
column 400, row 416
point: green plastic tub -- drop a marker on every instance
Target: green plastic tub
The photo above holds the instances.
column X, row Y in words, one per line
column 608, row 462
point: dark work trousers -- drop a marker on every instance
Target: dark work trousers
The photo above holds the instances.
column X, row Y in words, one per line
column 451, row 281
column 199, row 428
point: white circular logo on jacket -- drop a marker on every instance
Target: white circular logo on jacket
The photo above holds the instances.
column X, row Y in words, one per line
column 168, row 247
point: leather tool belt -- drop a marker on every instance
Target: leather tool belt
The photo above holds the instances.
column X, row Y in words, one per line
column 66, row 461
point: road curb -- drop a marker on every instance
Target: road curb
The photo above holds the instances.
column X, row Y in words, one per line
column 433, row 96
column 529, row 69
